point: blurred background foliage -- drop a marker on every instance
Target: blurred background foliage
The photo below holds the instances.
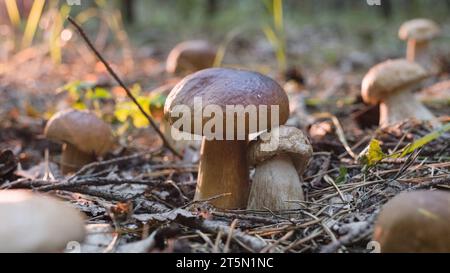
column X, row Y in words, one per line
column 313, row 29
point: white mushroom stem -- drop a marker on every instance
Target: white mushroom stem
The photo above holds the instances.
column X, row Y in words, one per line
column 72, row 158
column 223, row 170
column 275, row 182
column 417, row 51
column 402, row 105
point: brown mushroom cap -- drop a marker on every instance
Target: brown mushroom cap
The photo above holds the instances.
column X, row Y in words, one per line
column 224, row 86
column 292, row 141
column 419, row 30
column 415, row 222
column 191, row 56
column 37, row 223
column 388, row 77
column 82, row 129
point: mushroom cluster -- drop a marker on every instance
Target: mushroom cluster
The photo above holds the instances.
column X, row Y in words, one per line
column 84, row 136
column 224, row 166
column 419, row 33
column 278, row 171
column 415, row 222
column 190, row 56
column 37, row 223
column 390, row 84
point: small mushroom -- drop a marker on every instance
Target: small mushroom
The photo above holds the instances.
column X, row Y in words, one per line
column 278, row 171
column 415, row 222
column 390, row 83
column 84, row 137
column 223, row 165
column 419, row 33
column 190, row 56
column 37, row 223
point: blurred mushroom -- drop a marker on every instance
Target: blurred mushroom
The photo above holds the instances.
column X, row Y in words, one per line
column 415, row 222
column 223, row 164
column 37, row 223
column 390, row 83
column 84, row 137
column 439, row 92
column 190, row 56
column 278, row 171
column 419, row 33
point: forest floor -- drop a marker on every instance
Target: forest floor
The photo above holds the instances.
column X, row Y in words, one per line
column 139, row 198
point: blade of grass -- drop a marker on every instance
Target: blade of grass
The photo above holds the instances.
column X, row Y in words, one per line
column 32, row 22
column 13, row 12
column 278, row 18
column 221, row 51
column 55, row 41
column 422, row 142
column 275, row 34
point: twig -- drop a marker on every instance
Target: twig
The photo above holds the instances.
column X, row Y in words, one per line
column 65, row 185
column 121, row 83
column 226, row 249
column 95, row 165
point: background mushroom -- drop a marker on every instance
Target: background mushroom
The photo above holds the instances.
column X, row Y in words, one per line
column 278, row 171
column 419, row 33
column 84, row 137
column 223, row 164
column 191, row 56
column 415, row 222
column 37, row 223
column 437, row 92
column 390, row 83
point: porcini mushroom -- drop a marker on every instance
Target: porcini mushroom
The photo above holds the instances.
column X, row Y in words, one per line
column 84, row 137
column 37, row 223
column 279, row 168
column 419, row 33
column 191, row 56
column 223, row 165
column 415, row 222
column 390, row 83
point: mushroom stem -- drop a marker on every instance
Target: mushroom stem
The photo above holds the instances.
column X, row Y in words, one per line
column 72, row 158
column 418, row 52
column 277, row 181
column 402, row 105
column 223, row 169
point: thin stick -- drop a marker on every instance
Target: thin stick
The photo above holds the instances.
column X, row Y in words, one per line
column 120, row 82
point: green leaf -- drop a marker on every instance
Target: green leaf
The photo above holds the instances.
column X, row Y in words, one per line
column 342, row 178
column 140, row 121
column 79, row 105
column 99, row 93
column 156, row 105
column 374, row 154
column 128, row 109
column 422, row 142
